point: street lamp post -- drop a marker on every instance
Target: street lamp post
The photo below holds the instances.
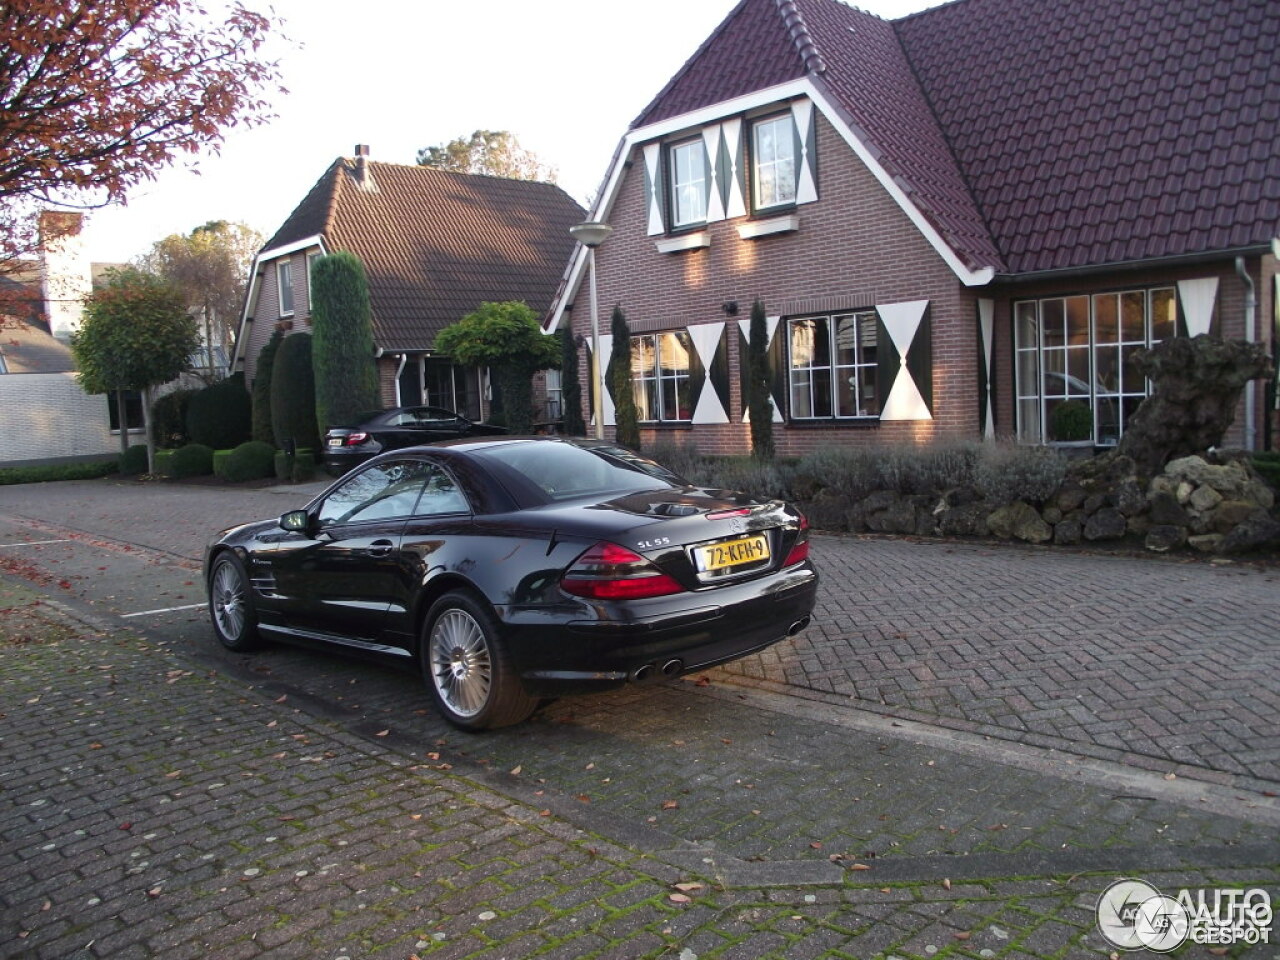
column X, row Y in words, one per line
column 591, row 234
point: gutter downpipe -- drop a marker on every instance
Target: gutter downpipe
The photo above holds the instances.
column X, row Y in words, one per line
column 1250, row 335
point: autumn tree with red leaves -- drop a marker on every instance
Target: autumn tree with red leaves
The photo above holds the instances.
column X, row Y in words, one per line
column 96, row 96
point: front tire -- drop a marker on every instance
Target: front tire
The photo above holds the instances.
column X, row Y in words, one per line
column 466, row 667
column 235, row 623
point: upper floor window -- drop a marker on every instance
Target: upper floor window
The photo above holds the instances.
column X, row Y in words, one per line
column 774, row 162
column 284, row 285
column 660, row 368
column 688, row 184
column 833, row 366
column 1074, row 372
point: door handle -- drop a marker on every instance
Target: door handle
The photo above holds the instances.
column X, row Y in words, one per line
column 380, row 548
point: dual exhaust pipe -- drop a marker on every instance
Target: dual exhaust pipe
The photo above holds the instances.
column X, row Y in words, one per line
column 673, row 668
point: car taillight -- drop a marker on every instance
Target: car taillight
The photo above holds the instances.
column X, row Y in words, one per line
column 800, row 551
column 355, row 439
column 611, row 572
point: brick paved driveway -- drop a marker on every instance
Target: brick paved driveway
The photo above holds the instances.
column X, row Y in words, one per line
column 1165, row 664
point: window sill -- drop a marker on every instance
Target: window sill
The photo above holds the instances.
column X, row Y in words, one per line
column 666, row 424
column 763, row 228
column 686, row 241
column 855, row 423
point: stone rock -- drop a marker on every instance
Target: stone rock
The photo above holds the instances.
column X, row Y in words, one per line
column 1260, row 493
column 1070, row 496
column 1205, row 542
column 1184, row 490
column 1204, row 499
column 1067, row 532
column 898, row 517
column 968, row 520
column 1021, row 521
column 1196, row 384
column 1165, row 510
column 1129, row 498
column 1093, row 503
column 926, row 523
column 1052, row 515
column 1161, row 484
column 1164, row 537
column 1258, row 531
column 1228, row 478
column 879, row 500
column 1107, row 524
column 1139, row 525
column 1232, row 513
column 828, row 510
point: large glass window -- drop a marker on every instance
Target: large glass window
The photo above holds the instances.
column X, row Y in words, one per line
column 774, row 162
column 1074, row 371
column 398, row 488
column 688, row 184
column 833, row 366
column 660, row 375
column 132, row 410
column 284, row 284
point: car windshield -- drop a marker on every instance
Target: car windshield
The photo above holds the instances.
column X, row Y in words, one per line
column 563, row 471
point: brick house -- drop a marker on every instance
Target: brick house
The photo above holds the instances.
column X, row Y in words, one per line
column 434, row 244
column 959, row 223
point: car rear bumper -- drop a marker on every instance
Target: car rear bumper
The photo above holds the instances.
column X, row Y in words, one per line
column 582, row 655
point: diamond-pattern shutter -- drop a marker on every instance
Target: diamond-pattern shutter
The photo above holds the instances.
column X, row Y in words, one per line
column 904, row 360
column 710, row 374
column 653, row 187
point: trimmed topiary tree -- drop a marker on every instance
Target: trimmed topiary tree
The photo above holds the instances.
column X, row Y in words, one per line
column 219, row 415
column 169, row 420
column 249, row 461
column 621, row 386
column 193, row 460
column 261, row 392
column 346, row 373
column 759, row 396
column 506, row 338
column 293, row 393
column 570, row 388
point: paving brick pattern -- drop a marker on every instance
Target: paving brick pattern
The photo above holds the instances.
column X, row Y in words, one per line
column 153, row 808
column 1169, row 664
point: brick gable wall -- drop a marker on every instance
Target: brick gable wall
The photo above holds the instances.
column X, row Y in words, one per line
column 855, row 248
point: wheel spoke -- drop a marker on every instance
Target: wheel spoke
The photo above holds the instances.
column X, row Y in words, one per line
column 228, row 601
column 460, row 662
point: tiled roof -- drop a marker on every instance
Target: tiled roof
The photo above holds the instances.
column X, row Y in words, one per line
column 1037, row 134
column 435, row 245
column 1098, row 131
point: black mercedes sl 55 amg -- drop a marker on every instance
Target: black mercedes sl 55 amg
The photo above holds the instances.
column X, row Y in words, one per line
column 518, row 568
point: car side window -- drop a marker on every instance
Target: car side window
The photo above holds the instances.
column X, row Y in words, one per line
column 440, row 495
column 388, row 490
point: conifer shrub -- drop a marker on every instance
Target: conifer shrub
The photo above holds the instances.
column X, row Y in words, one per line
column 219, row 416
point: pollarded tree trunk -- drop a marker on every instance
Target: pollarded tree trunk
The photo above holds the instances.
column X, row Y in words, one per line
column 1196, row 385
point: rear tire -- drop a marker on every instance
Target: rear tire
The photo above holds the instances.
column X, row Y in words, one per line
column 466, row 666
column 235, row 623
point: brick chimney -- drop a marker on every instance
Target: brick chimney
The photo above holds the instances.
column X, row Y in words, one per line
column 65, row 278
column 363, row 176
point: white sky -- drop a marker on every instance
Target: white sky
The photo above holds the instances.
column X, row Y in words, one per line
column 565, row 76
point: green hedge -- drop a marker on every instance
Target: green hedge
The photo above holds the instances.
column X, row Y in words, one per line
column 45, row 473
column 193, row 460
column 249, row 461
column 219, row 416
column 164, row 462
column 134, row 460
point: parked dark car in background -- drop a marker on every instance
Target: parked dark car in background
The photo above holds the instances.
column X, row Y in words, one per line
column 512, row 569
column 382, row 430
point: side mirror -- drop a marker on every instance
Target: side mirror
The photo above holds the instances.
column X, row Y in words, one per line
column 295, row 521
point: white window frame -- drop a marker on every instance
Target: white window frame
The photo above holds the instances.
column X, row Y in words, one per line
column 1037, row 388
column 284, row 283
column 776, row 160
column 653, row 375
column 688, row 168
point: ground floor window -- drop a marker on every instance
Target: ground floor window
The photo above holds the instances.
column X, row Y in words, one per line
column 660, row 376
column 1073, row 367
column 832, row 366
column 132, row 410
column 555, row 395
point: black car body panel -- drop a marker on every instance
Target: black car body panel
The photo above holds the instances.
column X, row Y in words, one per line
column 370, row 583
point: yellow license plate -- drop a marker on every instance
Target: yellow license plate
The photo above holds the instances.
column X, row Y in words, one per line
column 731, row 553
